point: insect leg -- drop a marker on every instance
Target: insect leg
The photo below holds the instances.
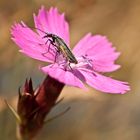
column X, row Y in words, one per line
column 57, row 53
column 50, row 43
column 69, row 66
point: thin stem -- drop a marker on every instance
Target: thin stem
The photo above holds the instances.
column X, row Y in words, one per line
column 58, row 115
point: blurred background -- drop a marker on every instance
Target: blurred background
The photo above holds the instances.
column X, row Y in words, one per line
column 93, row 115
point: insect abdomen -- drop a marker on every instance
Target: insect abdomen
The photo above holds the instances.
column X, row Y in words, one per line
column 65, row 50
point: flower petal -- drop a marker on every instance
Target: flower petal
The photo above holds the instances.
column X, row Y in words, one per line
column 52, row 22
column 66, row 77
column 30, row 43
column 105, row 84
column 99, row 50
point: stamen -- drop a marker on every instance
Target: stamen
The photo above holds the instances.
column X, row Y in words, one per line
column 88, row 60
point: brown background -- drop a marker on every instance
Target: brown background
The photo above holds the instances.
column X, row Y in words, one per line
column 93, row 115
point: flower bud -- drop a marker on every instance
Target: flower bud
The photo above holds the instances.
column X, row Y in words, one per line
column 34, row 105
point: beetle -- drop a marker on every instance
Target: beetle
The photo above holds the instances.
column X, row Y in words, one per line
column 59, row 45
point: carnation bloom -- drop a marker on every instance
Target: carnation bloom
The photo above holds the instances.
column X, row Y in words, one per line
column 94, row 53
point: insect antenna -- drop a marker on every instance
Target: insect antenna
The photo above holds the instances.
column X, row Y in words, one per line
column 34, row 28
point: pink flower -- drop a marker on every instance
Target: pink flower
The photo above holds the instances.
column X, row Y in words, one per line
column 94, row 53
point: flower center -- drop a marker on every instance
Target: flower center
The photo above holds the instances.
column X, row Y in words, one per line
column 83, row 62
